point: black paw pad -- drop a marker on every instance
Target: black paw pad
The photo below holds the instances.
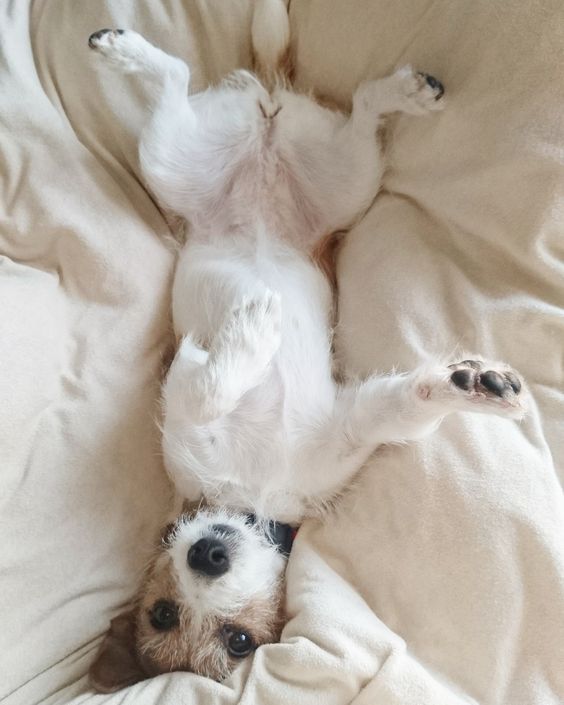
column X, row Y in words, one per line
column 514, row 382
column 435, row 84
column 463, row 379
column 92, row 39
column 500, row 384
column 493, row 382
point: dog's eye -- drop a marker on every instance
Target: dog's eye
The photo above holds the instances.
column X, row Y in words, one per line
column 164, row 615
column 239, row 644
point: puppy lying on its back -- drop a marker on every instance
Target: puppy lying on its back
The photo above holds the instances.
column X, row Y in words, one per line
column 254, row 421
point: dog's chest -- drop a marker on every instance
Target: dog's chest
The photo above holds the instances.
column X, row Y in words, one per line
column 253, row 459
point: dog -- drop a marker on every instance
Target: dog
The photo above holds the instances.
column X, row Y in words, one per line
column 254, row 421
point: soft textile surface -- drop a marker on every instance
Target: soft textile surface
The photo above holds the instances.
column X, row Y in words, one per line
column 441, row 577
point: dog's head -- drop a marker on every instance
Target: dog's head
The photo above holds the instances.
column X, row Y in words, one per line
column 212, row 594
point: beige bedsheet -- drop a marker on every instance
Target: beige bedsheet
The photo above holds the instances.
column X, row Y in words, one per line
column 441, row 577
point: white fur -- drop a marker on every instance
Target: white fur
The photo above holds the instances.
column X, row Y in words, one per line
column 255, row 566
column 253, row 417
column 270, row 32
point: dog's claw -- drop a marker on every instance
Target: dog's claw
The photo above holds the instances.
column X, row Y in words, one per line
column 434, row 83
column 95, row 36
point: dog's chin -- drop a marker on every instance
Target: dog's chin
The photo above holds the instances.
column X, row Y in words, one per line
column 211, row 596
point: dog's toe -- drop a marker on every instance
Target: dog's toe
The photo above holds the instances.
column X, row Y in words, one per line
column 97, row 38
column 434, row 83
column 488, row 382
column 514, row 382
column 494, row 382
column 463, row 379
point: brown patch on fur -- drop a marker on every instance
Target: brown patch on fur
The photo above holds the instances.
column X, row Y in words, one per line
column 167, row 356
column 287, row 66
column 162, row 651
column 282, row 76
column 324, row 254
column 263, row 623
column 191, row 507
column 326, row 101
column 121, row 660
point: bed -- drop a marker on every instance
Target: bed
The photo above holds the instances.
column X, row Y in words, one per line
column 440, row 576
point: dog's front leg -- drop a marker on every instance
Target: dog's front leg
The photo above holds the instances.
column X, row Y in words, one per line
column 202, row 386
column 405, row 407
column 397, row 408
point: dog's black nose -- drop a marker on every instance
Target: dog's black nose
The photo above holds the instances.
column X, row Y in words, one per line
column 209, row 556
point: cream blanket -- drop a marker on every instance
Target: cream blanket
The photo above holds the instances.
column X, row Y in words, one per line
column 441, row 577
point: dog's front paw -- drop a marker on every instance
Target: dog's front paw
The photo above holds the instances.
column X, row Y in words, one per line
column 256, row 327
column 490, row 385
column 418, row 92
column 474, row 385
column 123, row 48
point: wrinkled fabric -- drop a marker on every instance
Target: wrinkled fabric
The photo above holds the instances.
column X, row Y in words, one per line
column 440, row 576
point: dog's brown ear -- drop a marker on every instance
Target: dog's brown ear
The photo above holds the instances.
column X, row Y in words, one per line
column 116, row 665
column 191, row 507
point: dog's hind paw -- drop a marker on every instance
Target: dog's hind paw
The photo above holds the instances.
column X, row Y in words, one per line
column 104, row 38
column 132, row 53
column 125, row 49
column 417, row 92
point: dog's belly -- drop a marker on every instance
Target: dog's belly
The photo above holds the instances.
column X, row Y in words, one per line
column 265, row 168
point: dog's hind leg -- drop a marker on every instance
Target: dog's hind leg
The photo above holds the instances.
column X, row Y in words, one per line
column 202, row 386
column 404, row 91
column 172, row 140
column 270, row 36
column 343, row 175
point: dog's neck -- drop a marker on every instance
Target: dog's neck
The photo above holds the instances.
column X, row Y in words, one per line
column 280, row 535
